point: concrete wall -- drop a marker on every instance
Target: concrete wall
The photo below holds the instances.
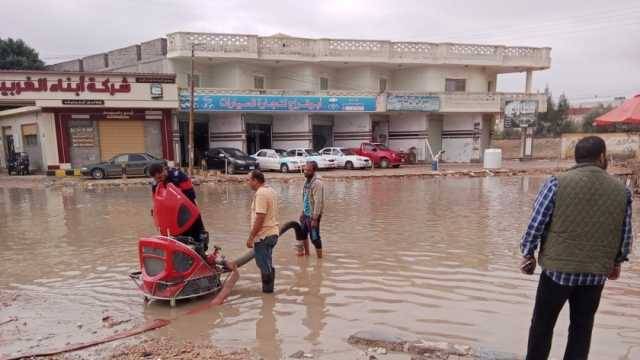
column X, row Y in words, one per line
column 83, row 155
column 46, row 137
column 303, row 77
column 409, row 130
column 95, row 62
column 360, row 78
column 227, row 130
column 543, row 148
column 350, row 130
column 128, row 56
column 619, row 145
column 432, row 78
column 71, row 65
column 153, row 49
column 246, row 73
column 291, row 131
column 153, row 138
column 457, row 137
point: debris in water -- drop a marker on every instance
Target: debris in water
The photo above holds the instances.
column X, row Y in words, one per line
column 301, row 355
column 11, row 319
column 110, row 322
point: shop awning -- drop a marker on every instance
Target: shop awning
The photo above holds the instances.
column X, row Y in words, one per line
column 627, row 113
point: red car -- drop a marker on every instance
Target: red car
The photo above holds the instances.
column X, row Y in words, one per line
column 379, row 154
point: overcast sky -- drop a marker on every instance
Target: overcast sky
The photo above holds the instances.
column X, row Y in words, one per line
column 596, row 44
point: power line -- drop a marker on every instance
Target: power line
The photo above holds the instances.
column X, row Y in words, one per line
column 487, row 32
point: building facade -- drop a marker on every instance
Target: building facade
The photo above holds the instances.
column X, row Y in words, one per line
column 65, row 120
column 279, row 91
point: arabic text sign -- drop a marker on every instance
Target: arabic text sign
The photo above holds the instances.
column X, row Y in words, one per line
column 520, row 113
column 413, row 103
column 205, row 103
column 68, row 85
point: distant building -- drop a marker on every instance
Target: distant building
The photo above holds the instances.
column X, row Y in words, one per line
column 280, row 91
column 578, row 110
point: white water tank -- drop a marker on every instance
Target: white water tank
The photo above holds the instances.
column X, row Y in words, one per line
column 493, row 158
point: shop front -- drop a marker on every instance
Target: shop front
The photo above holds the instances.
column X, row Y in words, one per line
column 67, row 120
column 254, row 122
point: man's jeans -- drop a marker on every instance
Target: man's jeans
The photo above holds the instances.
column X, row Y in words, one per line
column 264, row 250
column 550, row 298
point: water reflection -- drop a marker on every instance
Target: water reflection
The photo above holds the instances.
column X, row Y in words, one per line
column 422, row 257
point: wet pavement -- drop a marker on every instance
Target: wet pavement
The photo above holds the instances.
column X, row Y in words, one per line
column 429, row 258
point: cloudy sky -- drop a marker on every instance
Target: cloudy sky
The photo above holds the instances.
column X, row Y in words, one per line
column 596, row 44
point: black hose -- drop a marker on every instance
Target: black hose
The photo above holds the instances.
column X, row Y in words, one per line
column 250, row 254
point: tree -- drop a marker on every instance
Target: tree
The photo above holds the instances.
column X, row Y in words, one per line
column 561, row 116
column 591, row 116
column 555, row 121
column 17, row 55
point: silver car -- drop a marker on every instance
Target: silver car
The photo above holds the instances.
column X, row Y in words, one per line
column 137, row 164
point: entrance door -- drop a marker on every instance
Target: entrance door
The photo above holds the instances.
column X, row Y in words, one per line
column 200, row 141
column 322, row 136
column 380, row 131
column 258, row 137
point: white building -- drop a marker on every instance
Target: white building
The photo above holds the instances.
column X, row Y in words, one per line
column 280, row 91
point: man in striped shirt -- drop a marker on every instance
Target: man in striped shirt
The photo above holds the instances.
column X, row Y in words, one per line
column 582, row 223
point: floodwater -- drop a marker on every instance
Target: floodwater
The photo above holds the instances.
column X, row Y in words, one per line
column 425, row 258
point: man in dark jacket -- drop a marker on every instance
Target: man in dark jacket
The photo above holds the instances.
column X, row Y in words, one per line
column 582, row 223
column 182, row 181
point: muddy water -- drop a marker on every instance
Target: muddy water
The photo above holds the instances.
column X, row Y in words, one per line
column 428, row 258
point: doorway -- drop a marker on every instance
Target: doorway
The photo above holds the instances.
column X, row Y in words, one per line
column 200, row 141
column 322, row 131
column 380, row 131
column 322, row 136
column 258, row 137
column 8, row 144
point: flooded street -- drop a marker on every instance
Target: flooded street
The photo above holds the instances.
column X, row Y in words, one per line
column 426, row 258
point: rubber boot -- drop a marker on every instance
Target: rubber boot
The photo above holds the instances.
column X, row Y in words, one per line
column 268, row 280
column 266, row 283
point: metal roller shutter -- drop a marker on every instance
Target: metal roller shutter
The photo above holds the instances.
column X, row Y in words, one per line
column 120, row 136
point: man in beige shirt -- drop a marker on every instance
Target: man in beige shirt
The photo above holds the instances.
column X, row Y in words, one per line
column 264, row 228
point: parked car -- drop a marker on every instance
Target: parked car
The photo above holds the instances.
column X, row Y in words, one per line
column 230, row 160
column 137, row 165
column 346, row 158
column 311, row 156
column 277, row 159
column 379, row 154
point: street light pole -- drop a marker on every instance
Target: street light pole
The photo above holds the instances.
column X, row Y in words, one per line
column 191, row 111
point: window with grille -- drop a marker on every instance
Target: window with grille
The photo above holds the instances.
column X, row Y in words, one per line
column 455, row 85
column 324, row 83
column 258, row 82
column 31, row 139
column 382, row 84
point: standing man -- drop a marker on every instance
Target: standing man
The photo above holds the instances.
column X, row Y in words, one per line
column 582, row 222
column 263, row 236
column 312, row 206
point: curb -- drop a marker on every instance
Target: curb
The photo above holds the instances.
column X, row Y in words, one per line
column 62, row 173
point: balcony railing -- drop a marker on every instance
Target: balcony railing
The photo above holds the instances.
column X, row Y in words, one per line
column 449, row 102
column 352, row 50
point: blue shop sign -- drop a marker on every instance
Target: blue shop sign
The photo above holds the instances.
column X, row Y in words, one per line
column 413, row 103
column 205, row 103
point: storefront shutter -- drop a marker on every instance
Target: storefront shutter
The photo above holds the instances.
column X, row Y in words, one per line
column 120, row 136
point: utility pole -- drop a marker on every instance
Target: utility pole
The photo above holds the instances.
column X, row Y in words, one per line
column 191, row 111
